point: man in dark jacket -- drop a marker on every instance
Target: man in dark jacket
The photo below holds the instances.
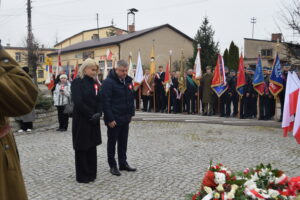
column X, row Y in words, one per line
column 160, row 94
column 118, row 106
column 190, row 93
column 232, row 94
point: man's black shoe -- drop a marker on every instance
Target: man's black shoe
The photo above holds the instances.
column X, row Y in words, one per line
column 127, row 168
column 115, row 171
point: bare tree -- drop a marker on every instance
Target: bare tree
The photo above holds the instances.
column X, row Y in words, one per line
column 291, row 18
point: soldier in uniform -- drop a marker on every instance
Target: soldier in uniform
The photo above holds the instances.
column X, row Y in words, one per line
column 147, row 91
column 18, row 97
column 246, row 101
column 190, row 93
column 224, row 99
column 232, row 94
column 264, row 99
column 207, row 93
column 175, row 93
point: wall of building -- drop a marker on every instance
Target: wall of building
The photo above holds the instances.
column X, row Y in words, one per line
column 252, row 48
column 76, row 56
column 41, row 68
column 86, row 35
column 165, row 39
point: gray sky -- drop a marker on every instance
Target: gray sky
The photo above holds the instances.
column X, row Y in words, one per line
column 62, row 18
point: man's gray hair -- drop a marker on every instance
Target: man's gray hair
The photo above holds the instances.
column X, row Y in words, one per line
column 122, row 63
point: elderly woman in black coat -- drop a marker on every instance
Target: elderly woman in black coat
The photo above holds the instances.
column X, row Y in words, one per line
column 86, row 121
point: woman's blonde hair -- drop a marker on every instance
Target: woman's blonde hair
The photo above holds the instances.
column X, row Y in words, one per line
column 87, row 63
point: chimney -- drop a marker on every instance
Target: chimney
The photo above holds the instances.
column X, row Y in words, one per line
column 131, row 28
column 276, row 36
column 8, row 45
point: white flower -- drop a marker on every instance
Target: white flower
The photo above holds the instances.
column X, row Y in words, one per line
column 216, row 195
column 273, row 193
column 230, row 195
column 220, row 188
column 254, row 177
column 234, row 187
column 220, row 178
column 208, row 190
column 250, row 184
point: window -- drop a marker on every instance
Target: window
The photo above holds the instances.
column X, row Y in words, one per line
column 41, row 58
column 266, row 52
column 40, row 73
column 102, row 64
column 18, row 56
column 88, row 54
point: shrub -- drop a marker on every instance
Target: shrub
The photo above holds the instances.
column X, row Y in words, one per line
column 44, row 102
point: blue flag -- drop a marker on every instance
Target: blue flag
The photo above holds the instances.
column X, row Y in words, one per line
column 258, row 82
column 276, row 81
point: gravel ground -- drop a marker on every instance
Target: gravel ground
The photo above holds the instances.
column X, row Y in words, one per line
column 171, row 158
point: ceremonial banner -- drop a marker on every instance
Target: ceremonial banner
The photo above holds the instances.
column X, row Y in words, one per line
column 197, row 65
column 130, row 69
column 219, row 84
column 241, row 79
column 258, row 82
column 276, row 81
column 139, row 75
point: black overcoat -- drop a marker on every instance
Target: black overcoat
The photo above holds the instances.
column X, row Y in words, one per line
column 87, row 102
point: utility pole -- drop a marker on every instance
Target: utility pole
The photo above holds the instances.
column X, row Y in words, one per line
column 253, row 21
column 31, row 61
column 98, row 25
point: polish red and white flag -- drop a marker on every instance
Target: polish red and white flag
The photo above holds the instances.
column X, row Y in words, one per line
column 290, row 102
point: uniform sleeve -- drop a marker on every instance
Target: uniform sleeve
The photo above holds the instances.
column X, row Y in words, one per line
column 18, row 93
column 106, row 94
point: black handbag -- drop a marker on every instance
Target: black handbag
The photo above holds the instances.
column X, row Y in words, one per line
column 69, row 108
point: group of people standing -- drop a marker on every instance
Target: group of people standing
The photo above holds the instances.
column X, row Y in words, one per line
column 200, row 97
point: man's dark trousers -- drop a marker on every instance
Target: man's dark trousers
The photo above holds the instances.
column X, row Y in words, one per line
column 118, row 134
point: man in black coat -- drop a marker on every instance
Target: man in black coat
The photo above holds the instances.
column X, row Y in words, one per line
column 190, row 93
column 160, row 94
column 232, row 95
column 118, row 107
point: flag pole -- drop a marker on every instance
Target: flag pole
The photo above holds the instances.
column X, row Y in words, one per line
column 198, row 88
column 169, row 92
column 276, row 97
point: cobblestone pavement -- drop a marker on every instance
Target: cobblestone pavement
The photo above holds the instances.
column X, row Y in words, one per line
column 171, row 158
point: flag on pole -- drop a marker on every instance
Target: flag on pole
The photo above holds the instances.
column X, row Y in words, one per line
column 58, row 64
column 109, row 54
column 105, row 70
column 76, row 70
column 197, row 65
column 290, row 102
column 47, row 63
column 167, row 77
column 49, row 81
column 152, row 63
column 276, row 81
column 139, row 75
column 258, row 81
column 219, row 84
column 182, row 80
column 296, row 130
column 130, row 69
column 241, row 79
